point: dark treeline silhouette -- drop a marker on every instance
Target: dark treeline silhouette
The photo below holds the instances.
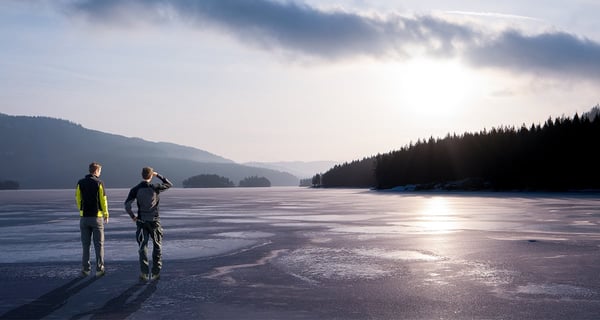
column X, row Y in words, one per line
column 306, row 182
column 357, row 174
column 207, row 181
column 216, row 181
column 556, row 156
column 9, row 185
column 314, row 182
column 255, row 181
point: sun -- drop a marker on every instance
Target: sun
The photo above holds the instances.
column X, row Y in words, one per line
column 430, row 87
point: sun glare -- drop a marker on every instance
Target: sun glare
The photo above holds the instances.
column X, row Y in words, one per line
column 429, row 87
column 437, row 216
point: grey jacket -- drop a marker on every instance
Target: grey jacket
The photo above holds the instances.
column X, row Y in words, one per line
column 147, row 195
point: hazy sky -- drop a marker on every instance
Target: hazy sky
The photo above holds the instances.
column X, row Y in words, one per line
column 258, row 80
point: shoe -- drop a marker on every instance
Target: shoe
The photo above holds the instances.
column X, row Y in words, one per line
column 100, row 273
column 85, row 273
column 143, row 277
column 155, row 276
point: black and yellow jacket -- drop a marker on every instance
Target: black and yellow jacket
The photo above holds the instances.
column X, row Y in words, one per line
column 90, row 197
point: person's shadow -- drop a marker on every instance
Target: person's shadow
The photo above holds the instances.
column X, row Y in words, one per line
column 49, row 302
column 117, row 308
column 124, row 305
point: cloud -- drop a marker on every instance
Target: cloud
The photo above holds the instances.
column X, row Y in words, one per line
column 337, row 34
column 290, row 26
column 556, row 53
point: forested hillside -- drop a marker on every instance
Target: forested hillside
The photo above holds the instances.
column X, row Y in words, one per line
column 41, row 152
column 357, row 174
column 558, row 155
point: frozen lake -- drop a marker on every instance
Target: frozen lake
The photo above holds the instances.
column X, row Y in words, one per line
column 295, row 253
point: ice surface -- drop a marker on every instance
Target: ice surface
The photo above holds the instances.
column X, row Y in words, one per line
column 327, row 217
column 345, row 253
column 118, row 250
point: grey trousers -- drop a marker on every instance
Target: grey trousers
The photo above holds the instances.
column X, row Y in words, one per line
column 92, row 227
column 147, row 230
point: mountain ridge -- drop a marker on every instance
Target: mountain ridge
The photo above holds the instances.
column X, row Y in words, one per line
column 44, row 152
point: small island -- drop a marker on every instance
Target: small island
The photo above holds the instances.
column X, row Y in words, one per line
column 9, row 185
column 207, row 181
column 216, row 181
column 255, row 181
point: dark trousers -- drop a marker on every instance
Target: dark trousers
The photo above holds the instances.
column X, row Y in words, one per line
column 92, row 227
column 147, row 230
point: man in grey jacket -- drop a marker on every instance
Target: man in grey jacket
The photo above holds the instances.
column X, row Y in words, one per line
column 148, row 220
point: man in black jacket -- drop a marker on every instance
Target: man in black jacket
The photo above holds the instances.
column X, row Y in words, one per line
column 148, row 219
column 93, row 210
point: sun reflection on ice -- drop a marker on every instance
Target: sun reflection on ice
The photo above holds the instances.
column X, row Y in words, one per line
column 437, row 216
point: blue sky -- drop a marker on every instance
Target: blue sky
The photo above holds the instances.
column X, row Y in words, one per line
column 298, row 80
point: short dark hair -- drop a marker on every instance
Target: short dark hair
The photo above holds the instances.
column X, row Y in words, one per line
column 94, row 166
column 147, row 172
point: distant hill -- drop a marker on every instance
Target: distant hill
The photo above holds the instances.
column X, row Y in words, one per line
column 42, row 152
column 300, row 169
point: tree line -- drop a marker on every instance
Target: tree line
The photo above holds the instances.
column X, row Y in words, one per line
column 356, row 174
column 216, row 181
column 9, row 185
column 556, row 156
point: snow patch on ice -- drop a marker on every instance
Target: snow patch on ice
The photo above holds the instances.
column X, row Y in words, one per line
column 330, row 264
column 559, row 290
column 487, row 274
column 246, row 234
column 189, row 249
column 318, row 264
column 239, row 221
column 320, row 240
column 406, row 255
column 294, row 224
column 224, row 272
column 560, row 256
column 375, row 229
column 527, row 237
column 582, row 223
